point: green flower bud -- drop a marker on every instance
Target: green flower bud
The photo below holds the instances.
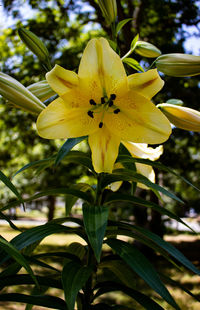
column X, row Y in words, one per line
column 178, row 65
column 147, row 49
column 41, row 90
column 19, row 95
column 181, row 117
column 35, row 45
column 109, row 10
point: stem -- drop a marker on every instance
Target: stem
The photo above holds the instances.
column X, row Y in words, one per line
column 88, row 292
column 98, row 191
column 127, row 54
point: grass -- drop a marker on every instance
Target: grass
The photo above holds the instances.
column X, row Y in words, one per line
column 61, row 241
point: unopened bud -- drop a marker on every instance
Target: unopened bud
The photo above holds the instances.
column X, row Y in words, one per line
column 19, row 95
column 181, row 117
column 41, row 90
column 146, row 49
column 34, row 44
column 178, row 65
column 109, row 10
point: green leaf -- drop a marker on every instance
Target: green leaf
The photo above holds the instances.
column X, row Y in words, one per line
column 134, row 41
column 127, row 175
column 38, row 233
column 54, row 191
column 121, row 270
column 38, row 163
column 24, row 279
column 121, row 24
column 74, row 277
column 133, row 64
column 44, row 301
column 79, row 158
column 15, row 254
column 66, row 147
column 142, row 202
column 11, row 186
column 13, row 226
column 175, row 101
column 95, row 221
column 142, row 299
column 138, row 262
column 124, row 158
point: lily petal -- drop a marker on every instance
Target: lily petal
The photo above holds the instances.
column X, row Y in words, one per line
column 138, row 121
column 141, row 150
column 104, row 146
column 101, row 64
column 61, row 80
column 147, row 83
column 59, row 122
column 147, row 171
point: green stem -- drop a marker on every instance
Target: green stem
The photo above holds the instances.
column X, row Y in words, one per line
column 98, row 191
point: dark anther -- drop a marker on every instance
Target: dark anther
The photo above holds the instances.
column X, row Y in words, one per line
column 112, row 96
column 116, row 111
column 92, row 102
column 90, row 113
column 110, row 103
column 102, row 100
column 100, row 125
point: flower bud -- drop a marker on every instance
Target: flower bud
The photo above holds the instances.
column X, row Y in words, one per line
column 41, row 90
column 19, row 95
column 34, row 44
column 181, row 117
column 147, row 49
column 109, row 10
column 178, row 65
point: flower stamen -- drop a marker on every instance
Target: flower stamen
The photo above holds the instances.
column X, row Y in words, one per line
column 116, row 111
column 90, row 113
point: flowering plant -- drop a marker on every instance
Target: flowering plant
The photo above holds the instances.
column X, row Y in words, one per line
column 114, row 112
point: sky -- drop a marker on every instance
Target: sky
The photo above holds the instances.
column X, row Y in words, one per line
column 191, row 45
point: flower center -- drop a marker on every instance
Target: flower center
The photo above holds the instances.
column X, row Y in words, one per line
column 103, row 107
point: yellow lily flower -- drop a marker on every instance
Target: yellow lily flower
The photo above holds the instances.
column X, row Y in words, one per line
column 103, row 103
column 140, row 150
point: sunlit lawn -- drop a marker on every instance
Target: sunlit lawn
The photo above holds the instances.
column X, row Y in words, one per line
column 53, row 242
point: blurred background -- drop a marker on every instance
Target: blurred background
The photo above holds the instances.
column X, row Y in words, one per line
column 65, row 26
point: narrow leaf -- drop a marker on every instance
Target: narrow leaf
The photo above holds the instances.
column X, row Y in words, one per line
column 142, row 299
column 133, row 64
column 134, row 41
column 138, row 262
column 47, row 162
column 74, row 277
column 95, row 221
column 66, row 147
column 13, row 252
column 11, row 186
column 121, row 24
column 44, row 301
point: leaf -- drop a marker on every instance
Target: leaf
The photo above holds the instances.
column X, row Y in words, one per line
column 11, row 186
column 13, row 226
column 127, row 175
column 124, row 158
column 79, row 158
column 134, row 41
column 145, row 301
column 142, row 202
column 38, row 233
column 24, row 279
column 95, row 221
column 44, row 301
column 38, row 163
column 14, row 253
column 138, row 262
column 66, row 147
column 74, row 277
column 133, row 64
column 121, row 24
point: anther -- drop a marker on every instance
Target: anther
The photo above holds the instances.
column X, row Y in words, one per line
column 110, row 103
column 100, row 125
column 116, row 111
column 92, row 102
column 102, row 100
column 112, row 96
column 90, row 113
